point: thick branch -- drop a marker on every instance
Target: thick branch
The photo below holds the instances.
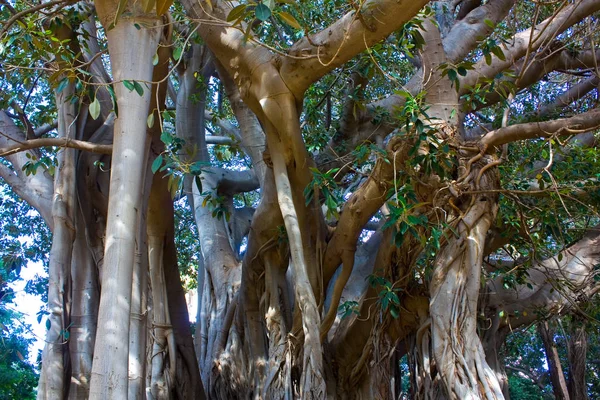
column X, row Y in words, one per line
column 42, row 130
column 347, row 37
column 465, row 34
column 532, row 130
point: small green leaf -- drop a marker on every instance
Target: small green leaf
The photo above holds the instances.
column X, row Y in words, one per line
column 489, row 23
column 166, row 138
column 48, row 324
column 155, row 59
column 177, row 53
column 262, row 12
column 236, row 12
column 488, row 59
column 498, row 53
column 62, row 85
column 157, row 163
column 95, row 108
column 198, row 183
column 150, row 120
column 290, row 20
column 128, row 85
column 138, row 88
column 452, row 75
column 269, row 3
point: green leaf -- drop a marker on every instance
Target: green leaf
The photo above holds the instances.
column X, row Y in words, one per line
column 262, row 12
column 155, row 59
column 166, row 138
column 489, row 23
column 198, row 183
column 113, row 98
column 498, row 53
column 157, row 163
column 150, row 120
column 138, row 88
column 128, row 85
column 289, row 19
column 177, row 53
column 48, row 324
column 62, row 85
column 452, row 74
column 488, row 59
column 269, row 3
column 236, row 12
column 95, row 108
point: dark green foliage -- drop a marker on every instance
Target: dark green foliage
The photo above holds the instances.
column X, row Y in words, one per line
column 18, row 378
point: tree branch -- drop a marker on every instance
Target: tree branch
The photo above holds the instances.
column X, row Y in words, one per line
column 30, row 10
column 553, row 286
column 347, row 37
column 30, row 193
column 466, row 33
column 58, row 142
column 540, row 35
column 564, row 126
column 42, row 130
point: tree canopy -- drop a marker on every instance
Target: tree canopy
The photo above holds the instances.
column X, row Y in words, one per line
column 367, row 197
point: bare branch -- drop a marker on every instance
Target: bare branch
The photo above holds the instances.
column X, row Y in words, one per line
column 31, row 10
column 212, row 139
column 573, row 94
column 564, row 126
column 42, row 130
column 58, row 142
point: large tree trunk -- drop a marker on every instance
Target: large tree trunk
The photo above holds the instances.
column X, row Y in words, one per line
column 131, row 52
column 56, row 370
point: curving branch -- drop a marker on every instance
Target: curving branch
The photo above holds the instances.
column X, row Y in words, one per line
column 326, row 50
column 532, row 130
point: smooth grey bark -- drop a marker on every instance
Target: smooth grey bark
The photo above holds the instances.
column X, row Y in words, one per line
column 56, row 370
column 131, row 51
